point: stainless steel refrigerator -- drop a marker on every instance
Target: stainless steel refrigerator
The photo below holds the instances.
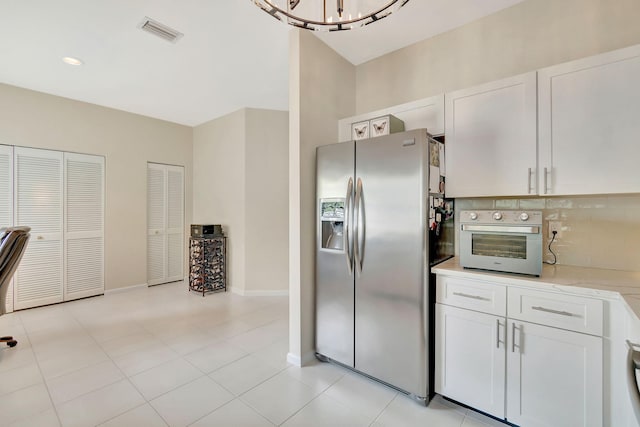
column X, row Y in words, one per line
column 376, row 239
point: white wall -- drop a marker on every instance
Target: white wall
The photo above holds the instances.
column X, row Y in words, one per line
column 321, row 91
column 240, row 181
column 128, row 141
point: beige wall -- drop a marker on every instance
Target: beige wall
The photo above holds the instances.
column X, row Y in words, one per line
column 530, row 35
column 240, row 181
column 321, row 91
column 267, row 200
column 128, row 141
column 218, row 185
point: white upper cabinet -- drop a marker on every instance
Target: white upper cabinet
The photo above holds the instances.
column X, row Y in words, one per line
column 589, row 125
column 427, row 113
column 491, row 139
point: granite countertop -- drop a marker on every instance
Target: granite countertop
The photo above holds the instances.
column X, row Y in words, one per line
column 596, row 282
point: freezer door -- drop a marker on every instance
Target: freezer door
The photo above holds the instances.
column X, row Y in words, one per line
column 334, row 254
column 391, row 253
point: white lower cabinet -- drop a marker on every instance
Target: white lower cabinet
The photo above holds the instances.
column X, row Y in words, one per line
column 554, row 377
column 471, row 358
column 530, row 374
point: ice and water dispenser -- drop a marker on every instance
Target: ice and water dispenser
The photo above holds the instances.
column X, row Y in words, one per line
column 332, row 222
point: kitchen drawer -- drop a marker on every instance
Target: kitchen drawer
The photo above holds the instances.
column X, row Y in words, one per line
column 569, row 312
column 475, row 295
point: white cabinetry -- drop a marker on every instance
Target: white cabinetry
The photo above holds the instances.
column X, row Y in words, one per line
column 518, row 363
column 165, row 223
column 424, row 113
column 554, row 377
column 588, row 124
column 491, row 139
column 470, row 358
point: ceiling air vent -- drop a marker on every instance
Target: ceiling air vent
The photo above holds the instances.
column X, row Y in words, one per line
column 160, row 30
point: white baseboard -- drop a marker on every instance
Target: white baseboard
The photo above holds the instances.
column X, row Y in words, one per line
column 265, row 293
column 306, row 359
column 124, row 289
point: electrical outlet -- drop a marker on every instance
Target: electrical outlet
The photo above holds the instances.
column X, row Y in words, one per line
column 557, row 227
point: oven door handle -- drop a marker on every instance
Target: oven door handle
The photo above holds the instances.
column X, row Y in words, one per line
column 516, row 229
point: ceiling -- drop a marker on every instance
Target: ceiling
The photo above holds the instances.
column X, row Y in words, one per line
column 232, row 54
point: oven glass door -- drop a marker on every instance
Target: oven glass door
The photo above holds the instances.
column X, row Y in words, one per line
column 499, row 245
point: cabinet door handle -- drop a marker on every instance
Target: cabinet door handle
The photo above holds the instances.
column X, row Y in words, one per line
column 529, row 189
column 476, row 297
column 497, row 333
column 513, row 338
column 547, row 173
column 549, row 310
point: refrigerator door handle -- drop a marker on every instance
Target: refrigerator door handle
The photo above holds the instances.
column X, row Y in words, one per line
column 360, row 227
column 347, row 226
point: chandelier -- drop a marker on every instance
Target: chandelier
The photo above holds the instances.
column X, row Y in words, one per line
column 329, row 15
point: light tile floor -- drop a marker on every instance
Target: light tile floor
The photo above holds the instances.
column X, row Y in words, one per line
column 162, row 356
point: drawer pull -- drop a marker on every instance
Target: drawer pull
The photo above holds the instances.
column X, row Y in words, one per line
column 548, row 310
column 460, row 294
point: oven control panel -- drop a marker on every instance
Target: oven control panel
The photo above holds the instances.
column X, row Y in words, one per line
column 501, row 217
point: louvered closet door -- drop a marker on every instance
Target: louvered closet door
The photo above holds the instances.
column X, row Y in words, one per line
column 38, row 204
column 165, row 219
column 84, row 225
column 6, row 203
column 156, row 218
column 175, row 222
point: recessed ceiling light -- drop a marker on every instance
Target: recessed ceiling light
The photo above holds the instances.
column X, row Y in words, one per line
column 71, row 60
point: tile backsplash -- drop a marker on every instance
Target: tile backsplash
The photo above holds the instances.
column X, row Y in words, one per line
column 597, row 231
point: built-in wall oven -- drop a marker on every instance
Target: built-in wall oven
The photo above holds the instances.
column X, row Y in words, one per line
column 509, row 241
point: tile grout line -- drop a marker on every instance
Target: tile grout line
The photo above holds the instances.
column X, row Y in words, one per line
column 377, row 417
column 107, row 385
column 146, row 402
column 83, row 327
column 44, row 381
